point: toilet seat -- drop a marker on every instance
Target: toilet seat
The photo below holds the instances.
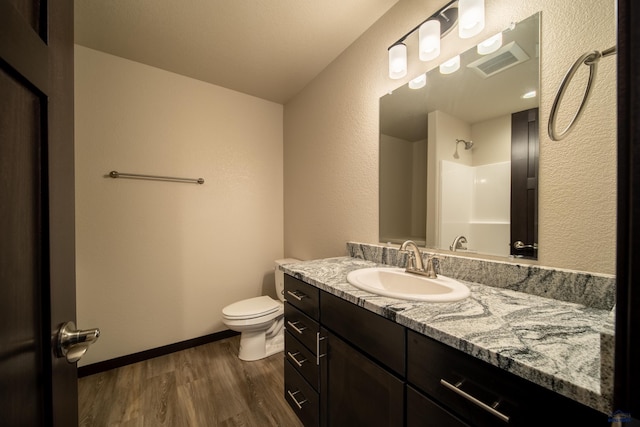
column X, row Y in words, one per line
column 252, row 308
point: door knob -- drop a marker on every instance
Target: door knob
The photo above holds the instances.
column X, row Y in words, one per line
column 520, row 245
column 73, row 344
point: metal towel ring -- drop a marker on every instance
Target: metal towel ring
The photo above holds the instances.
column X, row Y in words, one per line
column 591, row 59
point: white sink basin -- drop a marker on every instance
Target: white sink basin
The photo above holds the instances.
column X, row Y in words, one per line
column 396, row 283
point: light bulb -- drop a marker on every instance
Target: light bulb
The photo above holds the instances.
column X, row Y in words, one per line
column 398, row 61
column 419, row 82
column 471, row 18
column 429, row 40
column 490, row 45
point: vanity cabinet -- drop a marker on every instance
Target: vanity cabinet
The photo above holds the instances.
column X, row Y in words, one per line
column 343, row 364
column 365, row 366
column 302, row 366
column 485, row 395
column 347, row 366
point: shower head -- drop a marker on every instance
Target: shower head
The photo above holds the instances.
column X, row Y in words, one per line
column 467, row 146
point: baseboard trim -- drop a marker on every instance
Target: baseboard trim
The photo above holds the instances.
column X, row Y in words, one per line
column 118, row 362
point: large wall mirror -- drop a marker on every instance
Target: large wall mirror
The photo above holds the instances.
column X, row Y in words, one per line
column 459, row 156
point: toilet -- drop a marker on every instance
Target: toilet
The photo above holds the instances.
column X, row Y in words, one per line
column 259, row 320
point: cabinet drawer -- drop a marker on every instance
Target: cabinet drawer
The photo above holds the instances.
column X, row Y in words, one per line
column 302, row 359
column 301, row 326
column 381, row 338
column 302, row 398
column 483, row 394
column 302, row 296
column 420, row 409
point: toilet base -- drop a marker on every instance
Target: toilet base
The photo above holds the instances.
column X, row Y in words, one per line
column 256, row 345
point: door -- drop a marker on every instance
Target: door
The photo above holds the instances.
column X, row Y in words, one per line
column 627, row 352
column 359, row 392
column 524, row 183
column 37, row 267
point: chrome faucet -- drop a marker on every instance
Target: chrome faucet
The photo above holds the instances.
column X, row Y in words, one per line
column 457, row 243
column 415, row 264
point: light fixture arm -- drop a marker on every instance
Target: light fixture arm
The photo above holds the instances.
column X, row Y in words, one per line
column 445, row 20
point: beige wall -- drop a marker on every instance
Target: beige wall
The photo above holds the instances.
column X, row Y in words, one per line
column 491, row 141
column 331, row 136
column 396, row 191
column 157, row 261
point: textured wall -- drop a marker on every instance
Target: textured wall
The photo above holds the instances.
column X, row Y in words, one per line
column 157, row 261
column 331, row 136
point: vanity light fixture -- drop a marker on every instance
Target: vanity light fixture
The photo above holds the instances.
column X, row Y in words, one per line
column 468, row 14
column 398, row 61
column 450, row 66
column 429, row 40
column 490, row 45
column 419, row 82
column 471, row 18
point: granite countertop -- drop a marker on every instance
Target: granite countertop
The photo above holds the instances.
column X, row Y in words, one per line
column 552, row 343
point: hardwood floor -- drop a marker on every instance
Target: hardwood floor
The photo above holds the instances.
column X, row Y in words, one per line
column 202, row 386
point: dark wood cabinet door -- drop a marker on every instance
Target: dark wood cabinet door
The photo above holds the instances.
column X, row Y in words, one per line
column 424, row 412
column 360, row 392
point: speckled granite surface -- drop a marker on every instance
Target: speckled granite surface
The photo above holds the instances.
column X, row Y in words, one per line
column 555, row 344
column 592, row 290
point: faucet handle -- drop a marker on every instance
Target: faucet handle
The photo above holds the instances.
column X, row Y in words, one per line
column 429, row 268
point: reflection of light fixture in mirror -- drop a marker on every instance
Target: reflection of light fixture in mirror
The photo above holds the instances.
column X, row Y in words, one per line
column 467, row 146
column 471, row 18
column 450, row 66
column 429, row 40
column 530, row 94
column 398, row 61
column 419, row 82
column 490, row 45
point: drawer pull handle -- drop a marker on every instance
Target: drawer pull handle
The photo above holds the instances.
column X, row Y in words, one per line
column 296, row 401
column 456, row 389
column 318, row 355
column 298, row 295
column 295, row 328
column 293, row 357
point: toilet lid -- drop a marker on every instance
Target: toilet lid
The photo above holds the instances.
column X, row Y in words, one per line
column 252, row 307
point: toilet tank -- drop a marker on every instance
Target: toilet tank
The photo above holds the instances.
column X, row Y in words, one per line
column 280, row 275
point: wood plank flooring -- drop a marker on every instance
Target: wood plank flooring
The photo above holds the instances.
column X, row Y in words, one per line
column 202, row 386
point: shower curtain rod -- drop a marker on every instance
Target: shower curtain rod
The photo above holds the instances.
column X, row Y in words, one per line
column 116, row 174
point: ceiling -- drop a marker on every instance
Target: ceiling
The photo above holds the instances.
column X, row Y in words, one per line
column 270, row 49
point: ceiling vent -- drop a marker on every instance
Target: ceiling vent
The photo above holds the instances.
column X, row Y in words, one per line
column 505, row 57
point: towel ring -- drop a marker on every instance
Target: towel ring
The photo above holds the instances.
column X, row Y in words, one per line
column 591, row 59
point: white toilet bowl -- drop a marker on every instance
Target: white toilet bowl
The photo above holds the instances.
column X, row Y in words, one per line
column 259, row 320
